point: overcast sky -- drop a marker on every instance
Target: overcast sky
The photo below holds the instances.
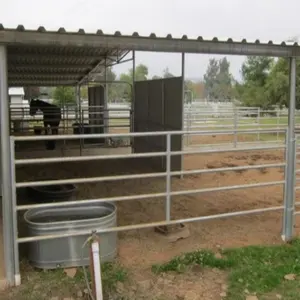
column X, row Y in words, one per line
column 251, row 19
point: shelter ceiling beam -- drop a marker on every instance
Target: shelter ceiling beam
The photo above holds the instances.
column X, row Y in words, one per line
column 51, row 57
column 34, row 75
column 18, row 83
column 95, row 70
column 46, row 67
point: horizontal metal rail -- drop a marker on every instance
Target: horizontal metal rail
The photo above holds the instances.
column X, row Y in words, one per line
column 90, row 179
column 229, row 169
column 137, row 155
column 174, row 193
column 150, row 225
column 141, row 134
column 142, row 176
column 207, row 151
column 92, row 201
column 232, row 126
column 86, row 158
column 227, row 188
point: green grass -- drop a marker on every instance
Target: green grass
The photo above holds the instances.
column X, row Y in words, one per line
column 258, row 269
column 40, row 285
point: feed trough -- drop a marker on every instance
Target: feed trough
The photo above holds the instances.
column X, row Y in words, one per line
column 58, row 192
column 38, row 130
column 81, row 128
column 67, row 252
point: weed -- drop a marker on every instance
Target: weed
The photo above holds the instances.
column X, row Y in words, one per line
column 39, row 285
column 257, row 269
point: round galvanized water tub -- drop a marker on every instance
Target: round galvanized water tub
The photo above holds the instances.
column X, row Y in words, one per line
column 68, row 252
column 57, row 193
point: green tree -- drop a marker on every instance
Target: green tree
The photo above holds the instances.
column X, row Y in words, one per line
column 210, row 79
column 64, row 96
column 112, row 87
column 253, row 90
column 141, row 74
column 256, row 69
column 224, row 80
column 277, row 84
column 218, row 80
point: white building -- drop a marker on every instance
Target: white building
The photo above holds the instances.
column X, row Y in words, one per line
column 16, row 95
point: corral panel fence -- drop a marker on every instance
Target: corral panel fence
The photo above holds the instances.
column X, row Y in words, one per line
column 167, row 175
column 197, row 116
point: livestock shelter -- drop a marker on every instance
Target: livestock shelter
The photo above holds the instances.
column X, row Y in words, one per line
column 47, row 58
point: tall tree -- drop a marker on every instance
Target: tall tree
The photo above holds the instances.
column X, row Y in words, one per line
column 224, row 80
column 210, row 79
column 255, row 73
column 64, row 95
column 277, row 84
column 218, row 80
column 256, row 69
column 141, row 74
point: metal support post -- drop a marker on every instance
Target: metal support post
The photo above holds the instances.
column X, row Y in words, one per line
column 77, row 112
column 7, row 213
column 105, row 107
column 182, row 107
column 132, row 101
column 168, row 178
column 289, row 201
column 105, row 115
column 14, row 213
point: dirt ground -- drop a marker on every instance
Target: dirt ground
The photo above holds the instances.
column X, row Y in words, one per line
column 139, row 249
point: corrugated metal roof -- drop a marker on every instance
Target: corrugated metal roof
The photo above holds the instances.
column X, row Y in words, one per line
column 40, row 57
column 32, row 64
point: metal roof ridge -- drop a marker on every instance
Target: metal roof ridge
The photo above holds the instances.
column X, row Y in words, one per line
column 62, row 30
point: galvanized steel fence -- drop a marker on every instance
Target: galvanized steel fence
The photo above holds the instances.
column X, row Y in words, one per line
column 167, row 175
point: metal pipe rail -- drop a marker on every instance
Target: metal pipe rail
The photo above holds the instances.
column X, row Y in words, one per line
column 136, row 155
column 154, row 224
column 167, row 174
column 140, row 176
column 140, row 134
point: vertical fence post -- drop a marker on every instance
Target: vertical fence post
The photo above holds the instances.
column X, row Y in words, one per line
column 277, row 121
column 289, row 201
column 258, row 123
column 168, row 177
column 81, row 131
column 188, row 125
column 14, row 212
column 235, row 118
